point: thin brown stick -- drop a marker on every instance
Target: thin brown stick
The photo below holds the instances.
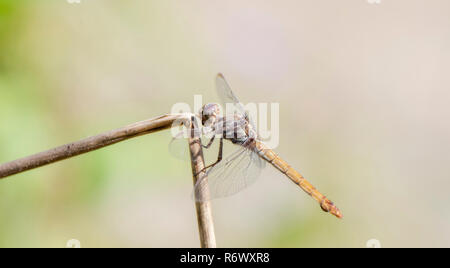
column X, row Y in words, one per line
column 204, row 214
column 91, row 143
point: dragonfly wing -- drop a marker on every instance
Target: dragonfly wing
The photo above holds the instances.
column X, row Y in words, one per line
column 226, row 95
column 178, row 146
column 231, row 175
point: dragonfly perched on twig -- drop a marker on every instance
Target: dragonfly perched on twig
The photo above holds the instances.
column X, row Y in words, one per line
column 231, row 174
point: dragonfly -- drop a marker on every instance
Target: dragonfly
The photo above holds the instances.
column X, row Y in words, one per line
column 240, row 169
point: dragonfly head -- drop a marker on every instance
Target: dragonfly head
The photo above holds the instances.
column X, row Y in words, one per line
column 209, row 114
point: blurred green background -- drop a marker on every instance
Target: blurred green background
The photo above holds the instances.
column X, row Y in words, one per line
column 363, row 92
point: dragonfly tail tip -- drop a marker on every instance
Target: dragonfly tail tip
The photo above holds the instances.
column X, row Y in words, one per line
column 328, row 206
column 337, row 213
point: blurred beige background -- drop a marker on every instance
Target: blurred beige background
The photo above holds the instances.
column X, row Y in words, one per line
column 363, row 92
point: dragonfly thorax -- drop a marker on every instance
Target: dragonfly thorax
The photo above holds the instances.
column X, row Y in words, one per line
column 236, row 129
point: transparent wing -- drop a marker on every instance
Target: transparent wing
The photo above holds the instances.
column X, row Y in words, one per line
column 227, row 96
column 231, row 175
column 178, row 146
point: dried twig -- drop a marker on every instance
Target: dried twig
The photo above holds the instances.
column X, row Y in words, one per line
column 204, row 214
column 91, row 143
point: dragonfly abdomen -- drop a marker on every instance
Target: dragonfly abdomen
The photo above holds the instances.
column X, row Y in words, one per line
column 270, row 156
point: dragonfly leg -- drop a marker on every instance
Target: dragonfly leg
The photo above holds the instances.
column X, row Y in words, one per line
column 209, row 143
column 219, row 157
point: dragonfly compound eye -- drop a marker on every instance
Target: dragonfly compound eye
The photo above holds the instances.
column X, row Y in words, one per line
column 209, row 113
